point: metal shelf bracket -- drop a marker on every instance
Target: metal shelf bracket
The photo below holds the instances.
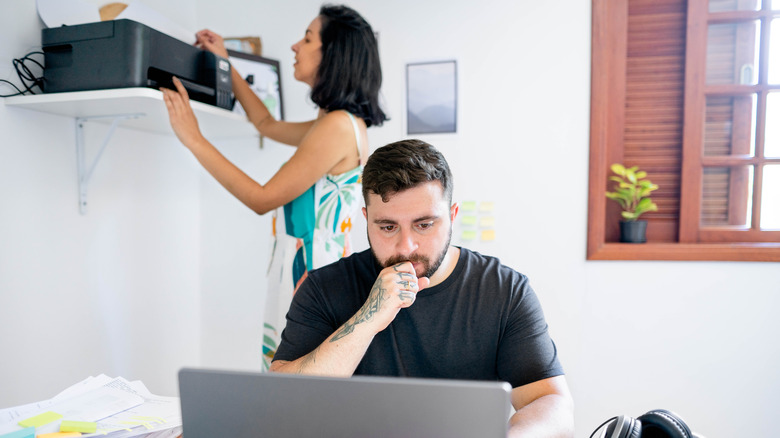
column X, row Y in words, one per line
column 85, row 173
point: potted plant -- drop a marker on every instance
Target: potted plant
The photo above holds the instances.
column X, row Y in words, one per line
column 632, row 192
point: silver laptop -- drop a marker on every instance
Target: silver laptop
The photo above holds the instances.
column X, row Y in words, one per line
column 218, row 403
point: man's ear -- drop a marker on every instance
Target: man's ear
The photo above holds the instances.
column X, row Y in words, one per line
column 365, row 215
column 454, row 211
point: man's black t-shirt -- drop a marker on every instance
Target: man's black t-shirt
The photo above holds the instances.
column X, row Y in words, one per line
column 483, row 322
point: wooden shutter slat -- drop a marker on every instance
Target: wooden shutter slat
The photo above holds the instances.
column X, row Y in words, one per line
column 652, row 134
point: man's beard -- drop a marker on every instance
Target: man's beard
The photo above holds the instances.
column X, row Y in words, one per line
column 429, row 268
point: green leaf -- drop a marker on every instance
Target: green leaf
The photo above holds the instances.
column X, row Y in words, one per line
column 625, row 193
column 644, row 206
column 630, row 175
column 632, row 191
column 644, row 203
column 618, row 168
column 617, row 198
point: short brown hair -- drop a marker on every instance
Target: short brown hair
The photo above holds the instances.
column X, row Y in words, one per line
column 403, row 165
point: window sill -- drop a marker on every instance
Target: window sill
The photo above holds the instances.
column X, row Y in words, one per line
column 745, row 252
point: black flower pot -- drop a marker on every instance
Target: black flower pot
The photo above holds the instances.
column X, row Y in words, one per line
column 633, row 231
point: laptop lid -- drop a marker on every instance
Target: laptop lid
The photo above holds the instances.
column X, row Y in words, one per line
column 241, row 404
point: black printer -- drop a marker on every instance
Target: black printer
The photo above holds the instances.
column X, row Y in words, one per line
column 124, row 53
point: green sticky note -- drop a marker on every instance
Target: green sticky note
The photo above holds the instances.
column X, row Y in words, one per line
column 468, row 220
column 78, row 426
column 28, row 432
column 468, row 235
column 469, row 206
column 40, row 420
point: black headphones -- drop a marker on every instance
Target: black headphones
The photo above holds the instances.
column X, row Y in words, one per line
column 658, row 423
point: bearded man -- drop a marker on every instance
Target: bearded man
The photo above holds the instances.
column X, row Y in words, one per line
column 415, row 306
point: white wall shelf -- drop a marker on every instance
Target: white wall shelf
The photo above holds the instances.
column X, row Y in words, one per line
column 136, row 108
column 147, row 103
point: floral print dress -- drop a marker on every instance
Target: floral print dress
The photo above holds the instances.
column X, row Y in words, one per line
column 309, row 232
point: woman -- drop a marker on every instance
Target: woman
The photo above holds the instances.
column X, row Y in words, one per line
column 316, row 193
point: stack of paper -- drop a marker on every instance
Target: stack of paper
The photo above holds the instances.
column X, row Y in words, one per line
column 98, row 406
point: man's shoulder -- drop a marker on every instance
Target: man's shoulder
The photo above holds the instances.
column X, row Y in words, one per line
column 475, row 260
column 490, row 276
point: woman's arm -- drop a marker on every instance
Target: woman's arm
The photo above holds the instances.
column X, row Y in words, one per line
column 284, row 132
column 257, row 113
column 329, row 144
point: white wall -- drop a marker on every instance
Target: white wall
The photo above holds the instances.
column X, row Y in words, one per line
column 693, row 337
column 114, row 291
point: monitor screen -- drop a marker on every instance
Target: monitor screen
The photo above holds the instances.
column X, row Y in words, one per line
column 264, row 79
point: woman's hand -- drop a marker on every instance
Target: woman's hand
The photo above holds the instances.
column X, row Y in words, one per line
column 211, row 41
column 182, row 118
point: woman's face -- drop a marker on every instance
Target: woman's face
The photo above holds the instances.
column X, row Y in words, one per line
column 308, row 54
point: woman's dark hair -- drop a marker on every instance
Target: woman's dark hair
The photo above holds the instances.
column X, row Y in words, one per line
column 404, row 165
column 349, row 75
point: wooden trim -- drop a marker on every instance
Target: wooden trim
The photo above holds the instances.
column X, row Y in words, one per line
column 695, row 105
column 744, row 252
column 608, row 63
column 742, row 127
column 731, row 160
column 758, row 178
column 741, row 16
column 737, row 234
column 761, row 122
column 738, row 90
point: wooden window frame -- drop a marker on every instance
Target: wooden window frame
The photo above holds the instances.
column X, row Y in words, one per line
column 696, row 93
column 608, row 113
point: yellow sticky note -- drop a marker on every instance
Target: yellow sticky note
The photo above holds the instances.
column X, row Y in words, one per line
column 78, row 426
column 486, row 206
column 469, row 206
column 468, row 220
column 488, row 235
column 468, row 235
column 40, row 420
column 487, row 222
column 58, row 435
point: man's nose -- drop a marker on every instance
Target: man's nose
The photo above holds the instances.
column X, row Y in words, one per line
column 407, row 243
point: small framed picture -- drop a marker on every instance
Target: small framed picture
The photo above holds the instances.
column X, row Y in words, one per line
column 251, row 45
column 431, row 97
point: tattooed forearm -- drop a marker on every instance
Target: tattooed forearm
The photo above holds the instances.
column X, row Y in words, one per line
column 369, row 309
column 309, row 359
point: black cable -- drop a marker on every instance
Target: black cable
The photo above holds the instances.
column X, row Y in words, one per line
column 25, row 75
